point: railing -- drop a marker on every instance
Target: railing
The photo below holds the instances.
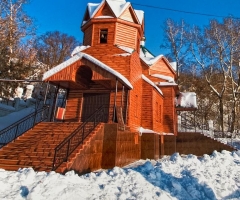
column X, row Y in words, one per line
column 70, row 143
column 18, row 128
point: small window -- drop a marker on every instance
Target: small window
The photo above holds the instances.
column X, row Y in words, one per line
column 103, row 36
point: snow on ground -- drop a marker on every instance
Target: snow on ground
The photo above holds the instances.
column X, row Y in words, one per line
column 14, row 117
column 210, row 177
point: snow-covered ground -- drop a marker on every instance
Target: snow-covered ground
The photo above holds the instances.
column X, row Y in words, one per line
column 175, row 177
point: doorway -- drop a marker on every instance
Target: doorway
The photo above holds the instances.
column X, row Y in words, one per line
column 92, row 101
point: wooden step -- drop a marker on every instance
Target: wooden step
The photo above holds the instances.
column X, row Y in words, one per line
column 26, row 162
column 13, row 167
column 20, row 155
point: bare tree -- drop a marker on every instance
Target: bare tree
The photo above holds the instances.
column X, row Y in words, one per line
column 176, row 41
column 16, row 49
column 214, row 54
column 54, row 47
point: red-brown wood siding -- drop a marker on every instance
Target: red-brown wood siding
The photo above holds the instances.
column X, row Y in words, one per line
column 126, row 15
column 136, row 80
column 104, row 11
column 74, row 105
column 169, row 111
column 161, row 67
column 126, row 36
column 152, row 108
column 88, row 36
column 157, row 102
column 96, row 33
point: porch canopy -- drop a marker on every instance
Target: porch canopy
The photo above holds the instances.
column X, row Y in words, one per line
column 82, row 71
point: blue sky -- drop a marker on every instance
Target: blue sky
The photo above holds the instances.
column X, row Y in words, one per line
column 66, row 15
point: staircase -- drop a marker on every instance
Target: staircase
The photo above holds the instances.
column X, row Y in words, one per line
column 35, row 148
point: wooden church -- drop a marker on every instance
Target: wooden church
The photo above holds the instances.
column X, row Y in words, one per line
column 120, row 98
column 114, row 69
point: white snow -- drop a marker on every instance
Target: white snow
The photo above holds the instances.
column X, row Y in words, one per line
column 187, row 100
column 79, row 49
column 14, row 116
column 92, row 7
column 140, row 15
column 77, row 57
column 166, row 84
column 167, row 78
column 144, row 130
column 174, row 65
column 213, row 177
column 127, row 49
column 117, row 6
column 151, row 83
column 148, row 58
column 122, row 54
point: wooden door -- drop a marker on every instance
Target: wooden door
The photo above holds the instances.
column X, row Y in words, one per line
column 92, row 101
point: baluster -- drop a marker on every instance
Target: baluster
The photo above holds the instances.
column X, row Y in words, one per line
column 68, row 146
column 16, row 133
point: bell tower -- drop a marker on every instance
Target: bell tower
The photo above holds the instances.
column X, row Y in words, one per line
column 113, row 22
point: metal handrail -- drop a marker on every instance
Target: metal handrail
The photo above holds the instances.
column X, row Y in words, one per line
column 13, row 131
column 71, row 142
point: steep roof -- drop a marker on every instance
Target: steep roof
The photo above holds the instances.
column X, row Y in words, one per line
column 116, row 6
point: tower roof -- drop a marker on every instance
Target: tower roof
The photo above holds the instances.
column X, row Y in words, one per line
column 117, row 7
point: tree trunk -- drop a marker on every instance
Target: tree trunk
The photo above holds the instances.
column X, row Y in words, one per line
column 221, row 114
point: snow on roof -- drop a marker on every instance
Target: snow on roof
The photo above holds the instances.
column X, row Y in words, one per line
column 127, row 49
column 79, row 49
column 174, row 65
column 148, row 57
column 61, row 66
column 79, row 56
column 144, row 130
column 187, row 100
column 117, row 6
column 167, row 78
column 140, row 15
column 104, row 17
column 166, row 84
column 122, row 54
column 93, row 8
column 151, row 83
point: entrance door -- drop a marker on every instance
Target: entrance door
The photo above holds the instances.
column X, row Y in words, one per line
column 92, row 101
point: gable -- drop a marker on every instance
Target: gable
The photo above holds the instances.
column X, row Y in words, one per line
column 129, row 15
column 163, row 68
column 104, row 10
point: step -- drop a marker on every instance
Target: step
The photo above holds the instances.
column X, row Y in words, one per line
column 13, row 167
column 19, row 151
column 27, row 154
column 31, row 143
column 42, row 137
column 28, row 157
column 26, row 162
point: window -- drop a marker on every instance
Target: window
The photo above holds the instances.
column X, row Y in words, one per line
column 103, row 36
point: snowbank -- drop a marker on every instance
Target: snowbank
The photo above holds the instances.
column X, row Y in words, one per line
column 174, row 177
